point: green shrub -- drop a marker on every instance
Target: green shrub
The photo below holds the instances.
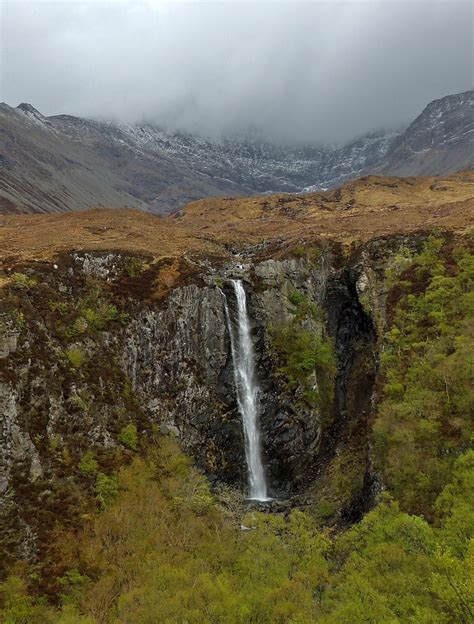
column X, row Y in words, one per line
column 98, row 317
column 128, row 436
column 80, row 400
column 304, row 308
column 88, row 466
column 454, row 508
column 424, row 419
column 324, row 510
column 311, row 253
column 194, row 495
column 301, row 354
column 133, row 266
column 18, row 319
column 55, row 442
column 299, row 251
column 18, row 607
column 73, row 584
column 164, row 550
column 61, row 307
column 296, row 298
column 306, row 356
column 106, row 488
column 75, row 356
column 314, row 255
column 398, row 263
column 21, row 280
column 429, row 259
column 80, row 326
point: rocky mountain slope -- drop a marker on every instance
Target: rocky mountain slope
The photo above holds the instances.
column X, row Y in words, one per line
column 62, row 163
column 440, row 140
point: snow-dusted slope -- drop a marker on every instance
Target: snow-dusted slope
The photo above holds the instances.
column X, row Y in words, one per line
column 248, row 162
column 65, row 163
column 439, row 141
column 51, row 164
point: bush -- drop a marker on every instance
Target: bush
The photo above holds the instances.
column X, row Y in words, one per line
column 311, row 253
column 133, row 266
column 304, row 308
column 88, row 465
column 75, row 356
column 299, row 251
column 78, row 401
column 398, row 264
column 21, row 281
column 296, row 298
column 55, row 442
column 324, row 510
column 98, row 317
column 95, row 312
column 128, row 437
column 106, row 488
column 73, row 584
column 61, row 307
column 301, row 354
column 423, row 421
column 17, row 607
column 165, row 551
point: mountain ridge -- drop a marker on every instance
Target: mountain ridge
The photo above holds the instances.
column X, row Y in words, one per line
column 62, row 162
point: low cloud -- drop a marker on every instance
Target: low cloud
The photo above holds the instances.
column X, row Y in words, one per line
column 300, row 72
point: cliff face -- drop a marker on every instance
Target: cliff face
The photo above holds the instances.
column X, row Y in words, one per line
column 113, row 327
column 84, row 356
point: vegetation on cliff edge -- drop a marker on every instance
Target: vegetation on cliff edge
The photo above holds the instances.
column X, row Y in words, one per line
column 305, row 356
column 425, row 418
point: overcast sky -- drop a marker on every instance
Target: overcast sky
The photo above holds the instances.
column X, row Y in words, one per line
column 319, row 72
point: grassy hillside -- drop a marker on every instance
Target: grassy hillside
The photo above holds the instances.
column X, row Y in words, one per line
column 359, row 211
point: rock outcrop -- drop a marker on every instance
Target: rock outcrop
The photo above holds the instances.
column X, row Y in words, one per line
column 440, row 140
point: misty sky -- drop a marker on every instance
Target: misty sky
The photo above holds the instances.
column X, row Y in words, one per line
column 311, row 72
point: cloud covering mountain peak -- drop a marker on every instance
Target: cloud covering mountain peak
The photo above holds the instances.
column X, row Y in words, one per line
column 307, row 72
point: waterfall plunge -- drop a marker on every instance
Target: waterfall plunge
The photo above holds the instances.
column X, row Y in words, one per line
column 247, row 392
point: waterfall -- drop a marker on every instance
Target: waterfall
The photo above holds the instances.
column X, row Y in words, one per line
column 247, row 392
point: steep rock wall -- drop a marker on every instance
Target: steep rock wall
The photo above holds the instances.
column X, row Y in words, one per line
column 80, row 361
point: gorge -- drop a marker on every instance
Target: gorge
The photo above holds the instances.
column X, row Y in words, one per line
column 157, row 372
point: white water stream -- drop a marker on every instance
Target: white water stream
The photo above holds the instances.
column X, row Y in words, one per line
column 247, row 392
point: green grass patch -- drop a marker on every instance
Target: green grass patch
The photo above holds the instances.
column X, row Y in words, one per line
column 23, row 281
